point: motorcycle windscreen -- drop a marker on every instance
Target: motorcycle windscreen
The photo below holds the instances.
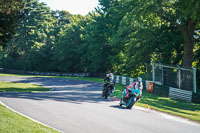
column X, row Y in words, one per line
column 137, row 91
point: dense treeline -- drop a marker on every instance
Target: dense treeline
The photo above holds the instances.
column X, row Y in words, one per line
column 120, row 36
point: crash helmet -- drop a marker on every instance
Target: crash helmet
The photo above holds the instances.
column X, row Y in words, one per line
column 110, row 74
column 139, row 79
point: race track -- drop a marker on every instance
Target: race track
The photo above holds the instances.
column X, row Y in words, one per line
column 75, row 106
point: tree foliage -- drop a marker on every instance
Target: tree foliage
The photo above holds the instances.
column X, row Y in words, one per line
column 10, row 14
column 119, row 36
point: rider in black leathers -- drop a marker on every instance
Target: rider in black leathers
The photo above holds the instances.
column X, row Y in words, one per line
column 108, row 80
column 109, row 85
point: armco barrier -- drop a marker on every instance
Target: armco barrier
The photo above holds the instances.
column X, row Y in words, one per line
column 196, row 98
column 158, row 89
column 161, row 90
column 10, row 71
column 124, row 80
column 127, row 81
column 184, row 95
column 120, row 79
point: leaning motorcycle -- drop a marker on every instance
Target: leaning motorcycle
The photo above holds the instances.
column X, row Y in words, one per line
column 107, row 89
column 130, row 97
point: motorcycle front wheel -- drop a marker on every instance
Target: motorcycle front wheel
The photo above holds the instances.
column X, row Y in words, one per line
column 103, row 92
column 131, row 102
column 106, row 93
column 120, row 104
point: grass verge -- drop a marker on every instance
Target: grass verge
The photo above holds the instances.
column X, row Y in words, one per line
column 81, row 78
column 3, row 74
column 183, row 109
column 12, row 122
column 20, row 87
column 176, row 107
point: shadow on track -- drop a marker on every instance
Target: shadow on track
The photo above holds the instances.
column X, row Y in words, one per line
column 119, row 107
column 65, row 90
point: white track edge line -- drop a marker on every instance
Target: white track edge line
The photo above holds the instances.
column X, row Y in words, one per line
column 29, row 117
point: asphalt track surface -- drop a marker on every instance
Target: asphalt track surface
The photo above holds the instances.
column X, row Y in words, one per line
column 75, row 106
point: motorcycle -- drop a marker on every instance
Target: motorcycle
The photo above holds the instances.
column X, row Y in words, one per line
column 108, row 89
column 130, row 97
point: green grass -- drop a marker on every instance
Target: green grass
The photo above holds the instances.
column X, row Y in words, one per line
column 11, row 122
column 2, row 74
column 164, row 104
column 80, row 78
column 118, row 91
column 22, row 75
column 20, row 87
column 62, row 77
column 175, row 107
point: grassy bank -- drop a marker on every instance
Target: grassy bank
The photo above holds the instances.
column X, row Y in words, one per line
column 62, row 77
column 183, row 109
column 20, row 87
column 175, row 107
column 81, row 78
column 180, row 108
column 3, row 74
column 12, row 122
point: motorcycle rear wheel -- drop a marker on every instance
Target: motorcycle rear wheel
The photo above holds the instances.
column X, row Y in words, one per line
column 103, row 93
column 108, row 92
column 106, row 95
column 131, row 102
column 120, row 104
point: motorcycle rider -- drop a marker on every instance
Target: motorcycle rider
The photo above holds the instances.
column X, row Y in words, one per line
column 137, row 85
column 108, row 79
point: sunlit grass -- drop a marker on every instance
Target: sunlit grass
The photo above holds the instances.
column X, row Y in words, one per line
column 2, row 74
column 165, row 104
column 81, row 78
column 180, row 108
column 20, row 87
column 11, row 122
column 63, row 77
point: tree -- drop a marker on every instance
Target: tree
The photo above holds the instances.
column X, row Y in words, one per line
column 32, row 33
column 180, row 14
column 68, row 49
column 99, row 34
column 10, row 14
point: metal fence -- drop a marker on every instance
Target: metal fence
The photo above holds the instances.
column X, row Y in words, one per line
column 13, row 71
column 26, row 72
column 126, row 81
column 168, row 81
column 173, row 81
column 172, row 76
